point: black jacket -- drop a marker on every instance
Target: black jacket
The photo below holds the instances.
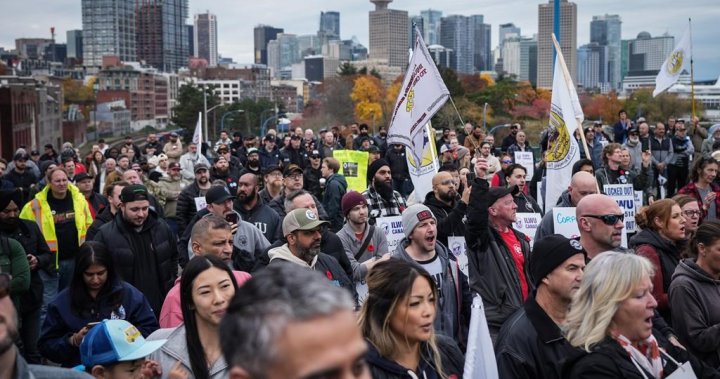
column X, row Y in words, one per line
column 527, row 204
column 117, row 235
column 289, row 156
column 609, row 360
column 449, row 217
column 398, row 163
column 531, row 345
column 186, row 205
column 335, row 189
column 101, row 219
column 311, row 181
column 491, row 267
column 452, row 358
column 263, row 217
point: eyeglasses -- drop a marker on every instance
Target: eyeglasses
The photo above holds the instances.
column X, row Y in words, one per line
column 507, row 162
column 692, row 213
column 608, row 219
column 5, row 279
column 295, row 176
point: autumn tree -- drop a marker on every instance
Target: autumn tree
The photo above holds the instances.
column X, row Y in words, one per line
column 368, row 96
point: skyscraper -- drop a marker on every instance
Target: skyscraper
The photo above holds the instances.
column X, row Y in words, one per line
column 431, row 26
column 457, row 33
column 74, row 44
column 264, row 34
column 388, row 34
column 190, row 32
column 507, row 30
column 519, row 58
column 329, row 26
column 481, row 35
column 605, row 31
column 160, row 33
column 646, row 54
column 205, row 39
column 593, row 66
column 282, row 52
column 108, row 29
column 568, row 40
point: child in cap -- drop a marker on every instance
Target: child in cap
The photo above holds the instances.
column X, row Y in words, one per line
column 116, row 349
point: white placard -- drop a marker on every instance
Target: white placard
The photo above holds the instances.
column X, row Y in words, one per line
column 527, row 223
column 639, row 195
column 565, row 222
column 526, row 159
column 458, row 248
column 539, row 197
column 624, row 195
column 393, row 228
column 200, row 203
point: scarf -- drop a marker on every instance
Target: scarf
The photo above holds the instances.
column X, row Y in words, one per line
column 647, row 354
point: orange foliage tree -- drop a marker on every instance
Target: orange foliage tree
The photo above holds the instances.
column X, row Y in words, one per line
column 368, row 96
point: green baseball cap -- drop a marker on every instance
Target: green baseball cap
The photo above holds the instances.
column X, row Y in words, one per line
column 301, row 219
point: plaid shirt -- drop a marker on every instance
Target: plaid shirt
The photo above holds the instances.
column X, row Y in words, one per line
column 376, row 203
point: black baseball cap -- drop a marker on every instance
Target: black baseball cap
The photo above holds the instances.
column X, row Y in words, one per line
column 82, row 176
column 218, row 195
column 292, row 168
column 270, row 137
column 135, row 192
column 21, row 157
column 272, row 168
column 496, row 193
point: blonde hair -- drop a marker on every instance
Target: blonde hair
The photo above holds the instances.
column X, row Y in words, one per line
column 609, row 280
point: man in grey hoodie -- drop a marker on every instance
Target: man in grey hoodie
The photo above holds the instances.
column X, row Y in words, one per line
column 420, row 246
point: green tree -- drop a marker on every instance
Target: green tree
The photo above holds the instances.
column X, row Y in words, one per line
column 347, row 69
column 189, row 104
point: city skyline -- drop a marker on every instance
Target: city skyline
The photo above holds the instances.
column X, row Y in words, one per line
column 235, row 38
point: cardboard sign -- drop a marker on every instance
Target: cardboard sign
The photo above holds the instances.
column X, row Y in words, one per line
column 526, row 159
column 527, row 223
column 624, row 195
column 393, row 228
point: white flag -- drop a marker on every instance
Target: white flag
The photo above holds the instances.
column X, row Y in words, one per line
column 480, row 360
column 422, row 170
column 673, row 65
column 197, row 136
column 566, row 116
column 422, row 94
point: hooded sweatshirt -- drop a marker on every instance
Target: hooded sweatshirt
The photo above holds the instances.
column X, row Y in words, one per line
column 322, row 262
column 665, row 257
column 695, row 303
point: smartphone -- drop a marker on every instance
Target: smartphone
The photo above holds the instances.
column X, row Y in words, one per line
column 470, row 176
column 231, row 218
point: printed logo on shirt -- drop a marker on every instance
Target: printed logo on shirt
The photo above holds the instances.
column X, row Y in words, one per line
column 60, row 218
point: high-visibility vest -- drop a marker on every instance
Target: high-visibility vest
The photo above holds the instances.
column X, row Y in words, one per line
column 38, row 210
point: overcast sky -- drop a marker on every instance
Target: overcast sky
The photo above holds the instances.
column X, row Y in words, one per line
column 236, row 19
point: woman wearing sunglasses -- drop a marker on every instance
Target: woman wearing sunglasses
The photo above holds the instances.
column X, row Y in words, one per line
column 663, row 228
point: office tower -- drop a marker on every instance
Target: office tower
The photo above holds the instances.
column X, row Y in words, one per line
column 74, row 44
column 160, row 33
column 519, row 58
column 431, row 26
column 190, row 32
column 282, row 52
column 481, row 34
column 506, row 31
column 593, row 66
column 568, row 40
column 388, row 34
column 264, row 34
column 108, row 29
column 205, row 39
column 457, row 34
column 329, row 26
column 605, row 31
column 309, row 44
column 646, row 54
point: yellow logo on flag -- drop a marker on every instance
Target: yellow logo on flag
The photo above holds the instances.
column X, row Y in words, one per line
column 410, row 103
column 675, row 62
column 561, row 143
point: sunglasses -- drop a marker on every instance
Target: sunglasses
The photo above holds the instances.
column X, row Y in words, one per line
column 5, row 279
column 507, row 162
column 608, row 219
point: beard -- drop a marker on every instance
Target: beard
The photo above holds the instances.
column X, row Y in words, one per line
column 308, row 254
column 246, row 199
column 448, row 196
column 12, row 334
column 385, row 189
column 9, row 223
column 253, row 163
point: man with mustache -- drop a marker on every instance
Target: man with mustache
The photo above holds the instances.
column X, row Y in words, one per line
column 253, row 209
column 382, row 199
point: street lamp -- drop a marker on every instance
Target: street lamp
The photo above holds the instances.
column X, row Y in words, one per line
column 222, row 119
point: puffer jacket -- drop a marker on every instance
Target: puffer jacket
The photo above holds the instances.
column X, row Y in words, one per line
column 186, row 207
column 453, row 316
column 695, row 304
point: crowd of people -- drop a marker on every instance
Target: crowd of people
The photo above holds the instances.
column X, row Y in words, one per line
column 252, row 258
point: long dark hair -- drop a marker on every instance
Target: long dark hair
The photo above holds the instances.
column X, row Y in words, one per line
column 196, row 352
column 707, row 233
column 90, row 253
column 700, row 165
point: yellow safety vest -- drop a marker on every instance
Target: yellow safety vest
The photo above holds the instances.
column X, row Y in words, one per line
column 38, row 210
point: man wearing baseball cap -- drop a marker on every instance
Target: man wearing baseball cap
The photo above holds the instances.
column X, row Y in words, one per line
column 421, row 246
column 293, row 181
column 302, row 230
column 116, row 349
column 193, row 195
column 293, row 153
column 269, row 152
column 143, row 246
column 530, row 343
column 496, row 251
column 96, row 202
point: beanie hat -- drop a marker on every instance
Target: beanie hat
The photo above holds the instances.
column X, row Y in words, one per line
column 414, row 215
column 549, row 253
column 350, row 200
column 374, row 167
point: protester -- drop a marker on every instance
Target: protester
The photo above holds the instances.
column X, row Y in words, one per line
column 96, row 292
column 112, row 193
column 396, row 161
column 312, row 174
column 515, row 175
column 253, row 209
column 663, row 226
column 13, row 260
column 511, row 138
column 292, row 181
column 193, row 349
column 168, row 192
column 382, row 199
column 679, row 166
column 692, row 214
column 473, row 140
column 335, row 189
column 610, row 319
column 662, row 151
column 494, row 165
column 397, row 320
column 620, row 129
column 581, row 184
column 531, row 344
column 189, row 160
column 703, row 188
column 499, row 180
column 190, row 199
column 612, row 173
column 272, row 184
column 447, row 206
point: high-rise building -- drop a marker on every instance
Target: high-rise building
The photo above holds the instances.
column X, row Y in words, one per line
column 457, row 33
column 108, row 29
column 205, row 39
column 646, row 54
column 329, row 26
column 388, row 34
column 506, row 31
column 74, row 44
column 568, row 40
column 431, row 26
column 481, row 35
column 283, row 52
column 309, row 44
column 160, row 33
column 519, row 58
column 190, row 32
column 593, row 66
column 605, row 31
column 264, row 34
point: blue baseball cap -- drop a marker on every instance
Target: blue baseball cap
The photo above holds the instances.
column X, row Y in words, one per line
column 113, row 341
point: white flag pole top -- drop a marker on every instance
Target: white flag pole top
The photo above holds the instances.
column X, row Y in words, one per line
column 197, row 136
column 423, row 93
column 566, row 116
column 673, row 66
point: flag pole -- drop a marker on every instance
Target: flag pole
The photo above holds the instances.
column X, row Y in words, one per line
column 456, row 111
column 692, row 76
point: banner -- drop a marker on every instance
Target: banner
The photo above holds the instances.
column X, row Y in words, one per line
column 393, row 228
column 528, row 223
column 624, row 195
column 526, row 159
column 566, row 116
column 421, row 174
column 565, row 222
column 673, row 66
column 353, row 166
column 480, row 360
column 197, row 136
column 422, row 94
